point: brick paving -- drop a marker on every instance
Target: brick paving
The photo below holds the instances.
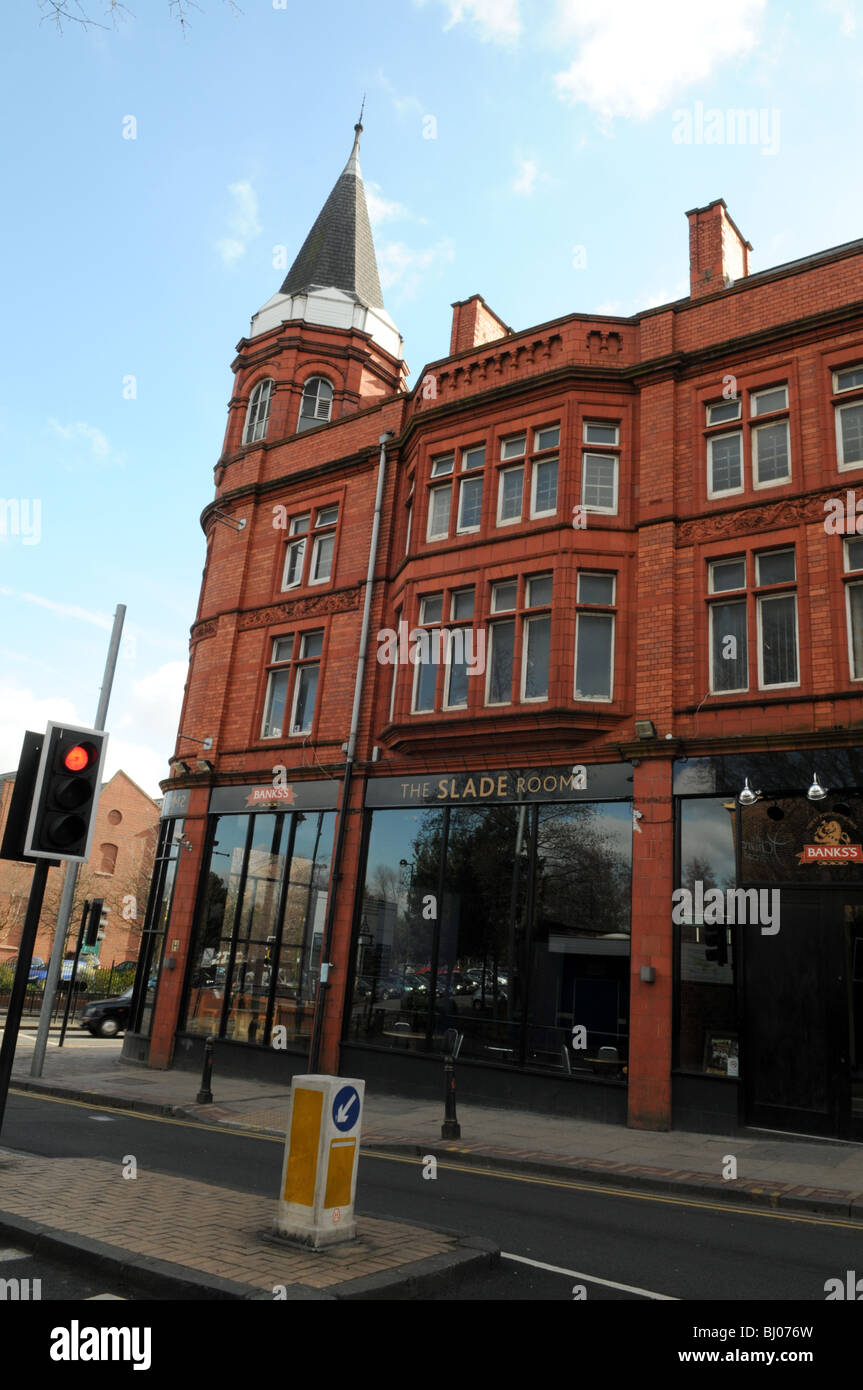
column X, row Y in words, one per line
column 197, row 1226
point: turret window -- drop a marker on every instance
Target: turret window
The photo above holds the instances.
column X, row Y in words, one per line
column 317, row 403
column 259, row 412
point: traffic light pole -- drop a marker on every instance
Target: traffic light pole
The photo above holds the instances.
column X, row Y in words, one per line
column 73, row 978
column 19, row 984
column 69, row 883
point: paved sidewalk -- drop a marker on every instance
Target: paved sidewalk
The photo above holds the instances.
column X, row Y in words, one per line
column 772, row 1170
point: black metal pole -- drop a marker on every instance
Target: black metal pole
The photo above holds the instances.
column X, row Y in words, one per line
column 19, row 984
column 74, row 977
column 205, row 1095
column 450, row 1129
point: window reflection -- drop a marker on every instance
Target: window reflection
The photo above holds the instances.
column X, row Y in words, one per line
column 509, row 923
column 707, row 1003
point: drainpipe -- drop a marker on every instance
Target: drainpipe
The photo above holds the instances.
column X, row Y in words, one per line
column 350, row 750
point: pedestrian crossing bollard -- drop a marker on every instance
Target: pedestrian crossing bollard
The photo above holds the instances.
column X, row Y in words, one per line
column 319, row 1173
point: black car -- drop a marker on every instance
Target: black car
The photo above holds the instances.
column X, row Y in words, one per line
column 105, row 1018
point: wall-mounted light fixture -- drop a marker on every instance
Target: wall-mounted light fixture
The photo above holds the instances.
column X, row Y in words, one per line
column 645, row 728
column 816, row 792
column 204, row 765
column 748, row 797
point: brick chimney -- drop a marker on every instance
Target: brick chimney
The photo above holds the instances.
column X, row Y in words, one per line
column 718, row 254
column 474, row 323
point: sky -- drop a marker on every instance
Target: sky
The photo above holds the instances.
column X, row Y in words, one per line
column 541, row 153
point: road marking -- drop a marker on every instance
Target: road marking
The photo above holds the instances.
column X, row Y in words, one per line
column 106, row 1119
column 96, row 1297
column 11, row 1254
column 591, row 1278
column 724, row 1207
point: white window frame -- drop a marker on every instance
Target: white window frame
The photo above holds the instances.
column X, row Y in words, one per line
column 768, row 554
column 410, row 511
column 319, row 542
column 731, row 596
column 770, row 482
column 466, row 530
column 754, row 413
column 840, row 371
column 536, row 465
column 438, row 472
column 601, row 425
column 510, row 439
column 726, row 560
column 615, row 460
column 596, row 574
column 545, row 448
column 840, row 448
column 317, row 418
column 509, row 520
column 499, row 584
column 418, row 670
column 442, row 535
column 594, row 611
column 857, row 584
column 510, row 616
column 472, row 449
column 304, row 666
column 725, row 491
column 723, row 405
column 255, row 431
column 527, row 620
column 765, row 598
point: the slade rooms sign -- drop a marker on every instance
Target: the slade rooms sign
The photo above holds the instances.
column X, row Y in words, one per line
column 577, row 782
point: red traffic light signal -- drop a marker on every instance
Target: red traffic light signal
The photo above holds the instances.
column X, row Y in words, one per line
column 66, row 794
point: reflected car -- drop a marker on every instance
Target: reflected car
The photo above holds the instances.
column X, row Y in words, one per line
column 105, row 1018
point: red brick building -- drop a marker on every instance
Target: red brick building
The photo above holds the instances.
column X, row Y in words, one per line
column 119, row 871
column 604, row 592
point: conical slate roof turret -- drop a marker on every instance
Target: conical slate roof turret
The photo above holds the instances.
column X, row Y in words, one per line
column 338, row 252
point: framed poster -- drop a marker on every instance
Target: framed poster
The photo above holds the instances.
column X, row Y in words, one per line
column 720, row 1054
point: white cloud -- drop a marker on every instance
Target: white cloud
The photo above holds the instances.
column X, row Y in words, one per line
column 846, row 13
column 83, row 433
column 381, row 210
column 243, row 223
column 406, row 268
column 524, row 182
column 63, row 610
column 497, row 20
column 21, row 709
column 634, row 58
column 403, row 105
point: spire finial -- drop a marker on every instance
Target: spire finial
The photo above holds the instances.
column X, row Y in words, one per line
column 359, row 125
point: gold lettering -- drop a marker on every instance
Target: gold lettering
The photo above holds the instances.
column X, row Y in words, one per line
column 486, row 786
column 519, row 785
column 441, row 796
column 502, row 784
column 469, row 788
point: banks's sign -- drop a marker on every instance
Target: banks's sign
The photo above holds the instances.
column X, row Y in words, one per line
column 832, row 844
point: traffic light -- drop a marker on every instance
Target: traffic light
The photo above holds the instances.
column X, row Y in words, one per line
column 66, row 794
column 94, row 922
column 716, row 942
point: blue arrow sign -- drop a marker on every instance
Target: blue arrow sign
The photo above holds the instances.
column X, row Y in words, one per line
column 346, row 1108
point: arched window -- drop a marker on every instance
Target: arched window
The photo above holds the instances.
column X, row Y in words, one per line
column 317, row 403
column 258, row 412
column 107, row 858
